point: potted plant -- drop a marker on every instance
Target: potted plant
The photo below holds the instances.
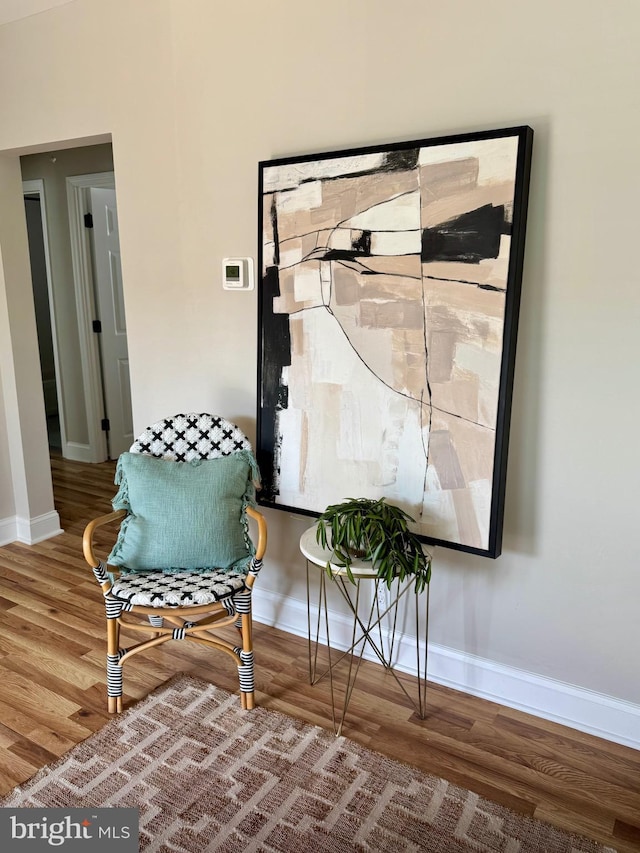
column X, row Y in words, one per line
column 373, row 530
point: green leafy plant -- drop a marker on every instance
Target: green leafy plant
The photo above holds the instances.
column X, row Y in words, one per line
column 373, row 530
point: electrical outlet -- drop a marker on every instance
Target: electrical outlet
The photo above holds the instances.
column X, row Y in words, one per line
column 383, row 596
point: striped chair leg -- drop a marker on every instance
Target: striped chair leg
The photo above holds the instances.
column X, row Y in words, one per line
column 156, row 622
column 114, row 684
column 242, row 602
column 245, row 676
column 114, row 668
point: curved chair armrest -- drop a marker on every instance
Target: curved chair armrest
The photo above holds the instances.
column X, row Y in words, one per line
column 87, row 538
column 259, row 518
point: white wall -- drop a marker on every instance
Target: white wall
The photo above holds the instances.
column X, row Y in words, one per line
column 194, row 94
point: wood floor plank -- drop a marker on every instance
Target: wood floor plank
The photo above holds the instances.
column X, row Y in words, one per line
column 52, row 667
column 31, row 752
column 542, row 753
column 15, row 769
column 626, row 832
column 53, row 741
column 26, row 724
column 39, row 673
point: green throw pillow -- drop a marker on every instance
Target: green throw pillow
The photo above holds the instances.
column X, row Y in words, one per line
column 184, row 515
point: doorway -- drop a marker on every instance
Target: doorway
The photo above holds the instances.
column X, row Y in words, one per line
column 82, row 422
column 43, row 304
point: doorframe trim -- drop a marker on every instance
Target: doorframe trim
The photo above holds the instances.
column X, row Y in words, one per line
column 36, row 187
column 78, row 203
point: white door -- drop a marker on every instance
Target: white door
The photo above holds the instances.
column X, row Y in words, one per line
column 110, row 306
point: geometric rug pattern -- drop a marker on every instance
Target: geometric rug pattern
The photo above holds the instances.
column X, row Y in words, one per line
column 208, row 777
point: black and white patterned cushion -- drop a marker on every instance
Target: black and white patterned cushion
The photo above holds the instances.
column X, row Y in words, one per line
column 190, row 436
column 177, row 589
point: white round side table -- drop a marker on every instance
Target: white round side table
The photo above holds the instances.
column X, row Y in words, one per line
column 375, row 620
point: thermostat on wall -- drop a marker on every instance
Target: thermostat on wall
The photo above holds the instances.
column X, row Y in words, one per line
column 237, row 273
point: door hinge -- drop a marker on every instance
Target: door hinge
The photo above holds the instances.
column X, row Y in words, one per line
column 88, row 220
column 104, row 425
column 97, row 326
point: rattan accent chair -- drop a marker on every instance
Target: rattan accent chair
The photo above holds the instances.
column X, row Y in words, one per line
column 187, row 495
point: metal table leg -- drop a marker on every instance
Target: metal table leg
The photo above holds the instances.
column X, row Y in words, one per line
column 363, row 635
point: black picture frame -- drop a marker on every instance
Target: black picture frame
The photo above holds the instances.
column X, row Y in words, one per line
column 389, row 282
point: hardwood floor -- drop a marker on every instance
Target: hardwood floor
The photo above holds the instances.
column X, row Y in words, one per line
column 52, row 654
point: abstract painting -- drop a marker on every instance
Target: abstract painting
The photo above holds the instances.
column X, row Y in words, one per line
column 389, row 295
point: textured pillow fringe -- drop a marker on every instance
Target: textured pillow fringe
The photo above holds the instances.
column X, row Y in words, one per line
column 121, row 500
column 256, row 479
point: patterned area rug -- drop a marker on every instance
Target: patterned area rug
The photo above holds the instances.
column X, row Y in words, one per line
column 208, row 776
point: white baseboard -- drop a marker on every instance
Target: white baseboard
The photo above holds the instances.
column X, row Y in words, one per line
column 34, row 530
column 595, row 713
column 7, row 530
column 29, row 531
column 77, row 452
